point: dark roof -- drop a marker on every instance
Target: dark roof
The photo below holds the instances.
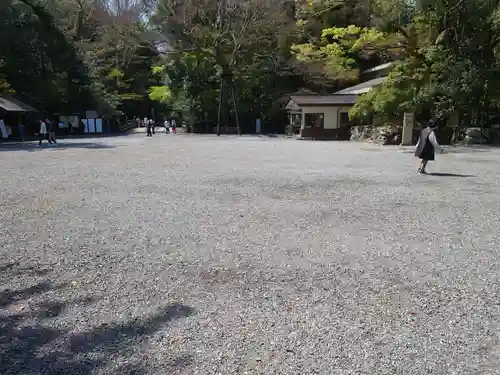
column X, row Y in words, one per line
column 11, row 104
column 312, row 100
column 283, row 100
column 362, row 87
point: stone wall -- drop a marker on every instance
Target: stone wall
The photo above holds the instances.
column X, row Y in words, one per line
column 386, row 134
column 478, row 136
column 391, row 135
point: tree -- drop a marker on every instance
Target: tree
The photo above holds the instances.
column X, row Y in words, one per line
column 66, row 56
column 241, row 42
column 451, row 65
column 341, row 51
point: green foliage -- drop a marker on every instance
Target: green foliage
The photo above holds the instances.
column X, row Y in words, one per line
column 67, row 56
column 4, row 84
column 400, row 93
column 161, row 94
column 340, row 50
column 70, row 55
column 158, row 71
column 451, row 61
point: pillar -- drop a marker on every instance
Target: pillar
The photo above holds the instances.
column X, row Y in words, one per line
column 408, row 124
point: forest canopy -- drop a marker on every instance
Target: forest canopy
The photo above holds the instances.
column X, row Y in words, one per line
column 129, row 56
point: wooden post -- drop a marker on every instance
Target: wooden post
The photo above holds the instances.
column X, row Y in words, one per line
column 221, row 96
column 235, row 103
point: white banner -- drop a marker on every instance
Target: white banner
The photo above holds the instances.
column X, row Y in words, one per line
column 3, row 129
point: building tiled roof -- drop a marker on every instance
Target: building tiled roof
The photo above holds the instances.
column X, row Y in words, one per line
column 363, row 87
column 379, row 67
column 11, row 104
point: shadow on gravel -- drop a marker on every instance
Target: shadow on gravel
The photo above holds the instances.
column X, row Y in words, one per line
column 449, row 174
column 14, row 269
column 30, row 343
column 32, row 147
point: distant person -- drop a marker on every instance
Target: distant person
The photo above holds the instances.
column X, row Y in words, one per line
column 43, row 133
column 22, row 131
column 149, row 133
column 145, row 122
column 174, row 127
column 152, row 124
column 167, row 126
column 52, row 130
column 138, row 121
column 427, row 146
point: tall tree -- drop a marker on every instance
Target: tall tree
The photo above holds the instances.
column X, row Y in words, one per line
column 243, row 41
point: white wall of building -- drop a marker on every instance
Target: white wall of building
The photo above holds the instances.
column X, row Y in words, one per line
column 331, row 114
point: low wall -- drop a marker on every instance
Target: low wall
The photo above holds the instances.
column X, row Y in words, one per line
column 392, row 134
column 341, row 134
column 478, row 136
column 383, row 134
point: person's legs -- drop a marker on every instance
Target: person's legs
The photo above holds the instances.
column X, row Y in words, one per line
column 423, row 165
column 40, row 138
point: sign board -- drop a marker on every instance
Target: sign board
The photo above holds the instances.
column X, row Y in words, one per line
column 258, row 129
column 409, row 119
column 91, row 125
column 3, row 129
column 98, row 125
column 86, row 125
column 73, row 120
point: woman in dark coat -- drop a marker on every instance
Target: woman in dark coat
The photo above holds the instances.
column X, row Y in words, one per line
column 427, row 146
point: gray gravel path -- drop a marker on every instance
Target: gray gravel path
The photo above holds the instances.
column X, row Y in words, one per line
column 205, row 255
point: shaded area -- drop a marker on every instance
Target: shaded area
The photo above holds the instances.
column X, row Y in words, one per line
column 45, row 146
column 8, row 296
column 15, row 268
column 30, row 345
column 456, row 150
column 439, row 174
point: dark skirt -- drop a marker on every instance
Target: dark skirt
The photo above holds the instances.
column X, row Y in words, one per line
column 427, row 152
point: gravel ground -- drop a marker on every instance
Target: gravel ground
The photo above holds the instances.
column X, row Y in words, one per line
column 245, row 255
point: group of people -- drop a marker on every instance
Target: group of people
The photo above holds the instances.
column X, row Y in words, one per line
column 149, row 124
column 47, row 131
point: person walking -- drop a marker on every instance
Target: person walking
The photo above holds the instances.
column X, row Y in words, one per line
column 427, row 146
column 148, row 129
column 174, row 127
column 152, row 123
column 22, row 131
column 52, row 130
column 43, row 133
column 167, row 126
